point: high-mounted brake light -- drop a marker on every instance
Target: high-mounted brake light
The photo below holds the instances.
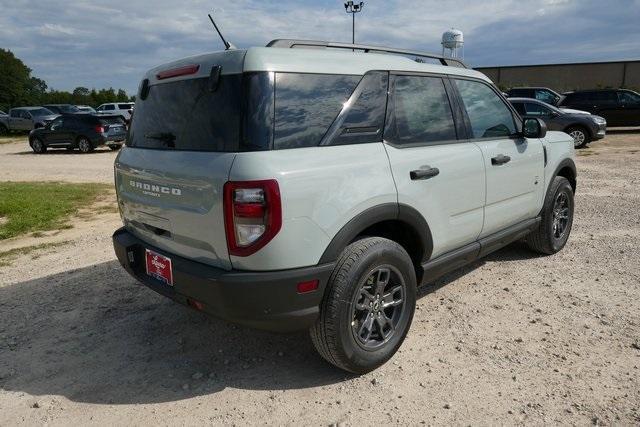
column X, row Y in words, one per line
column 176, row 72
column 252, row 215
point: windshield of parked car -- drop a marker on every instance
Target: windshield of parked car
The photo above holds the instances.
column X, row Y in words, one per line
column 629, row 97
column 68, row 108
column 41, row 112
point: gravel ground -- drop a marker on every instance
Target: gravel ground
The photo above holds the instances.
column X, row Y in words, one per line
column 19, row 163
column 515, row 338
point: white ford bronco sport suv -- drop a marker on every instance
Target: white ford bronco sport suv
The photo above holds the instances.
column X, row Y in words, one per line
column 304, row 185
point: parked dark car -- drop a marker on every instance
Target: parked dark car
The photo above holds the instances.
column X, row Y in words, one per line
column 584, row 128
column 621, row 107
column 543, row 94
column 62, row 108
column 82, row 131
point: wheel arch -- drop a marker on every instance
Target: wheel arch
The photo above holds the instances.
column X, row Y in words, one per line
column 400, row 223
column 567, row 169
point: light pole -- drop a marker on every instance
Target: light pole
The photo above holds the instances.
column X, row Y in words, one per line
column 353, row 8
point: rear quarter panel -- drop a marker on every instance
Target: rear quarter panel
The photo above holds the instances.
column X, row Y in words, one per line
column 322, row 188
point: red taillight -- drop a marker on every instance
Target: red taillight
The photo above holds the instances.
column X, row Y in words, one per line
column 99, row 129
column 176, row 72
column 252, row 215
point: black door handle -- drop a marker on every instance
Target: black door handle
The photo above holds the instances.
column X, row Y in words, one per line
column 500, row 159
column 425, row 173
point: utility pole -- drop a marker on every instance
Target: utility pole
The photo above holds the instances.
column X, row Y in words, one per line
column 353, row 8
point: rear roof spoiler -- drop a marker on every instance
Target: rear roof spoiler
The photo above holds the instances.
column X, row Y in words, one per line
column 293, row 43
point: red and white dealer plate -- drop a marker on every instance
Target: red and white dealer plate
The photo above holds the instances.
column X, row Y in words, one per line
column 159, row 267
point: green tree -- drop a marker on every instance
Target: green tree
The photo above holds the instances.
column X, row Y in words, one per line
column 17, row 86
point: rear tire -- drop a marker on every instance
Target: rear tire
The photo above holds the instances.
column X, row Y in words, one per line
column 3, row 130
column 38, row 146
column 580, row 136
column 84, row 145
column 557, row 219
column 115, row 147
column 368, row 306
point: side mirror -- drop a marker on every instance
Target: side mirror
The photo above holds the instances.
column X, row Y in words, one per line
column 534, row 128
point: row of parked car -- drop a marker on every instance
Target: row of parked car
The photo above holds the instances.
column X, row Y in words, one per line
column 70, row 126
column 583, row 114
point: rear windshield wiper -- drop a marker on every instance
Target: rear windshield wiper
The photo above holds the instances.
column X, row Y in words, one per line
column 167, row 137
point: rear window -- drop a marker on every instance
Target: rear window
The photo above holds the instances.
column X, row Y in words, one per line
column 110, row 120
column 187, row 115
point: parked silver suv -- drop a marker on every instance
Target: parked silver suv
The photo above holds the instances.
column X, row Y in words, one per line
column 292, row 188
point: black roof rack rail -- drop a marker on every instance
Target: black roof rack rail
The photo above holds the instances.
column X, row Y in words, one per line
column 292, row 43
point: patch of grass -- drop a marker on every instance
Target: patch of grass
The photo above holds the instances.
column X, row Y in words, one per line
column 7, row 257
column 29, row 207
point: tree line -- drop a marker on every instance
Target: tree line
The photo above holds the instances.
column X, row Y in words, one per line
column 18, row 88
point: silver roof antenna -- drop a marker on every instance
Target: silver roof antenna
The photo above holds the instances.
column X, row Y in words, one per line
column 227, row 45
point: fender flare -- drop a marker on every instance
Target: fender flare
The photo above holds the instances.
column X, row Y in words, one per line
column 372, row 216
column 571, row 165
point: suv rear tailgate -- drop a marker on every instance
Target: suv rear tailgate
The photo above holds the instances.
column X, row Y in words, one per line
column 173, row 200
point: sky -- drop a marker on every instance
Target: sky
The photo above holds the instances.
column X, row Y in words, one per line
column 111, row 43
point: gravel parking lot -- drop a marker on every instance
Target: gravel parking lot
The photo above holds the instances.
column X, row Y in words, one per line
column 514, row 338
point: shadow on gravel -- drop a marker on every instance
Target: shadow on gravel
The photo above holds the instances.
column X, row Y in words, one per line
column 94, row 335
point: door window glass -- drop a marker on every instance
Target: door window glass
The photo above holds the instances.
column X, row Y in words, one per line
column 519, row 106
column 488, row 114
column 419, row 111
column 109, row 107
column 537, row 110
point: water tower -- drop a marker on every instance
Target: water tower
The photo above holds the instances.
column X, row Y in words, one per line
column 453, row 44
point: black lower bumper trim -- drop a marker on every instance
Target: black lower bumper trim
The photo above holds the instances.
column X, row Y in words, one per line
column 265, row 300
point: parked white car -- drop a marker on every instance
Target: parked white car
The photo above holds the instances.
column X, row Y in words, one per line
column 123, row 109
column 290, row 188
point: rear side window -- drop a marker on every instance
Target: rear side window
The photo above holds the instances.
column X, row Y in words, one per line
column 488, row 114
column 546, row 96
column 187, row 115
column 124, row 106
column 525, row 93
column 362, row 117
column 419, row 111
column 306, row 105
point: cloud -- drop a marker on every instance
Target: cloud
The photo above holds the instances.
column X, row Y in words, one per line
column 102, row 44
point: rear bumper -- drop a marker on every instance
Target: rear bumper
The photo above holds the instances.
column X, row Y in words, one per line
column 264, row 300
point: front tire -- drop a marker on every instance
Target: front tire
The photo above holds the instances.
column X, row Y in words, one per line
column 38, row 146
column 84, row 145
column 368, row 306
column 580, row 136
column 557, row 218
column 3, row 130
